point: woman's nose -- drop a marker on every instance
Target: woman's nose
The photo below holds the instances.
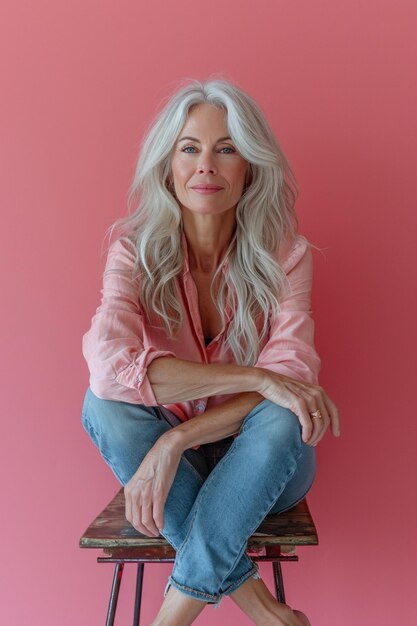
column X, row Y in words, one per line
column 206, row 164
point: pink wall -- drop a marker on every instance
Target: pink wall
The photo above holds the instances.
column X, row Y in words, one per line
column 80, row 83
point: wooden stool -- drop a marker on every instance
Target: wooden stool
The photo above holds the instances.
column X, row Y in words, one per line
column 275, row 541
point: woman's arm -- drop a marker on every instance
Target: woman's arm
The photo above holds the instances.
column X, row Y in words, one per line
column 226, row 419
column 176, row 380
column 204, row 380
column 215, row 424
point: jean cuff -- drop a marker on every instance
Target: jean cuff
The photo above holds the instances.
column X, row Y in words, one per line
column 214, row 599
column 254, row 572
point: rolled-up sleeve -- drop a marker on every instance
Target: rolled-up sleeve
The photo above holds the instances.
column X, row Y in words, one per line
column 290, row 348
column 114, row 345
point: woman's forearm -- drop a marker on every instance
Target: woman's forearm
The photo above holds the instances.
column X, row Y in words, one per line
column 176, row 380
column 216, row 423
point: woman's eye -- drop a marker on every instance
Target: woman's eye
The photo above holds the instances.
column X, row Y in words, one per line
column 191, row 149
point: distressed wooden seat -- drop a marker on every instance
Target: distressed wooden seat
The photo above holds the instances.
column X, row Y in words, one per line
column 275, row 540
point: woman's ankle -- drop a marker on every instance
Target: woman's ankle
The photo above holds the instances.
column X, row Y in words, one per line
column 178, row 609
column 255, row 600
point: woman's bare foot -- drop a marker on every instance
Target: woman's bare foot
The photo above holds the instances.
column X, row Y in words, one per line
column 257, row 602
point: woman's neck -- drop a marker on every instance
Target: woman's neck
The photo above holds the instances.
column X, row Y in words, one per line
column 208, row 237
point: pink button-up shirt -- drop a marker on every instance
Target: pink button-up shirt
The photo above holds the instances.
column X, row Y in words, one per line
column 121, row 344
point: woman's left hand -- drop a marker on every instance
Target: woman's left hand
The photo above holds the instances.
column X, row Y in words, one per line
column 313, row 407
column 147, row 490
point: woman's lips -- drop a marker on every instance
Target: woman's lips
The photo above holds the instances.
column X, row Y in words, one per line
column 206, row 190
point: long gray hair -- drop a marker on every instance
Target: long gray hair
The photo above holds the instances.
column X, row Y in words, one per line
column 265, row 217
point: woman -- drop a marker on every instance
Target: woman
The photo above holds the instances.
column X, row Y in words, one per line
column 203, row 393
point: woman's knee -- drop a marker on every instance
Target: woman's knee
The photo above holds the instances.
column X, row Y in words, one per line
column 300, row 483
column 100, row 417
column 273, row 425
column 120, row 423
column 123, row 432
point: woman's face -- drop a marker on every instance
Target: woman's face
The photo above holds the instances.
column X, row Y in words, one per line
column 205, row 155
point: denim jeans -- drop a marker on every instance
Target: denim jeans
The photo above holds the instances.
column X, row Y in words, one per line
column 221, row 492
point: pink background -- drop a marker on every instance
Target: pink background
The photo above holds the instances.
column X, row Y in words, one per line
column 80, row 82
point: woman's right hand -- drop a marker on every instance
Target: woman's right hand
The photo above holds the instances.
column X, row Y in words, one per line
column 303, row 399
column 147, row 490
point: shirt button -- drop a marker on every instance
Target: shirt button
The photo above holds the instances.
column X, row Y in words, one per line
column 200, row 407
column 140, row 378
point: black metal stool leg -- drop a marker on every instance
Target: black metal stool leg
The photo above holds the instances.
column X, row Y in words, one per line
column 117, row 579
column 138, row 594
column 279, row 583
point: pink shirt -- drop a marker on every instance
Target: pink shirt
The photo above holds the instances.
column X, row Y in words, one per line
column 120, row 344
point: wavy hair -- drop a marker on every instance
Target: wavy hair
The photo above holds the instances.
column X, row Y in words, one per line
column 265, row 216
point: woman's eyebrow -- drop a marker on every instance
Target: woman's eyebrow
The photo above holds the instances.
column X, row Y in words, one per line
column 198, row 141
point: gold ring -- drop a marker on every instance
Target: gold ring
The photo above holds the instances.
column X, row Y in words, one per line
column 316, row 415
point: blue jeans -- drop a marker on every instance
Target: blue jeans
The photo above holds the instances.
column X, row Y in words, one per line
column 214, row 504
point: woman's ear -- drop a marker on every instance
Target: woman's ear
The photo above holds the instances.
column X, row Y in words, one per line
column 169, row 184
